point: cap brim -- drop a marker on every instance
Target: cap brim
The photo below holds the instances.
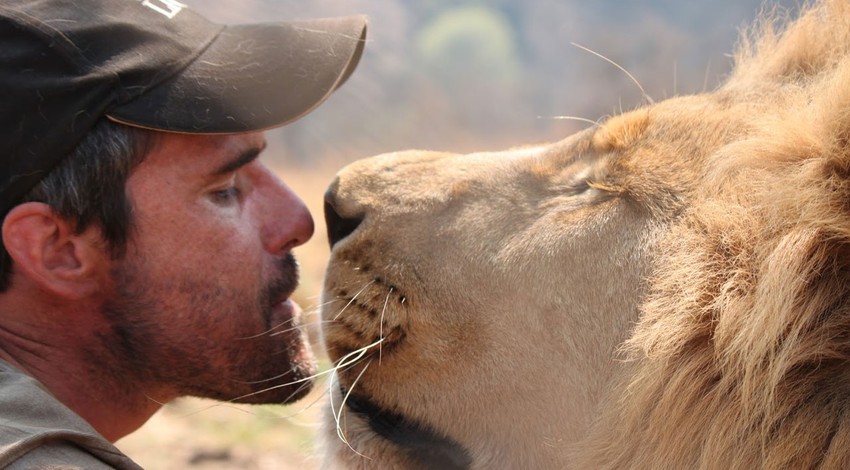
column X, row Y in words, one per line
column 252, row 77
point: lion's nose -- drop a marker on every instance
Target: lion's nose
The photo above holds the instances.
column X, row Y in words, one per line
column 339, row 226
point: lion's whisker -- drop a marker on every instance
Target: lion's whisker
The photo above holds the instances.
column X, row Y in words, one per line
column 381, row 326
column 344, row 361
column 271, row 329
column 338, row 414
column 331, row 396
column 315, row 308
column 298, row 381
column 574, row 118
column 229, row 405
column 301, row 410
column 632, row 77
column 354, row 297
column 297, row 327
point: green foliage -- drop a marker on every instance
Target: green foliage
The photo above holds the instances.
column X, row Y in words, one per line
column 465, row 42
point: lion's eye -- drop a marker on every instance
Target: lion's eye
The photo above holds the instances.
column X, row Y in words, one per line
column 576, row 180
column 579, row 186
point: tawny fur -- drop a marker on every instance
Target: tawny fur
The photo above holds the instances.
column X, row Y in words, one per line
column 741, row 357
column 667, row 290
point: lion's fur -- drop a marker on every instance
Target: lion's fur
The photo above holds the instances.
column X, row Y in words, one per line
column 741, row 355
column 708, row 325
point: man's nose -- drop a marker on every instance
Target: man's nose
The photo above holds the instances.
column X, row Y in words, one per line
column 286, row 221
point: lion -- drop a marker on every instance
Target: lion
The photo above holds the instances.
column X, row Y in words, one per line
column 667, row 289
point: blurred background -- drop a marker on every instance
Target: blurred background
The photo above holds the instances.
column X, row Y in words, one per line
column 457, row 75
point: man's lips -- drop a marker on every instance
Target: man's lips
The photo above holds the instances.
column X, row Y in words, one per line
column 284, row 311
column 286, row 322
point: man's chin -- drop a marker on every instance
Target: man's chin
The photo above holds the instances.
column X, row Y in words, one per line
column 279, row 389
column 288, row 376
column 277, row 373
column 277, row 394
column 295, row 384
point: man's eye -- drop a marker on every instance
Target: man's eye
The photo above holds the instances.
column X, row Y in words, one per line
column 227, row 195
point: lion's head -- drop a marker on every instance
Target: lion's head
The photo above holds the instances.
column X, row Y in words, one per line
column 668, row 289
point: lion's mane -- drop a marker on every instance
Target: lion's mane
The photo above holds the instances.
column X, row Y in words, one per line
column 741, row 356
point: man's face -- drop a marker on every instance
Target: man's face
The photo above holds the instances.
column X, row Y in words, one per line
column 200, row 299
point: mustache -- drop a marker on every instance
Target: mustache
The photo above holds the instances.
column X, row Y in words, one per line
column 284, row 282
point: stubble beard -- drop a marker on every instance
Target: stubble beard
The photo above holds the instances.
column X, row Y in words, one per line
column 268, row 364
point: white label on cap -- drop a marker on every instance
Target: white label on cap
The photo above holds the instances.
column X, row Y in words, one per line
column 169, row 8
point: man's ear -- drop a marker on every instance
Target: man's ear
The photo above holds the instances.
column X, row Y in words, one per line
column 46, row 249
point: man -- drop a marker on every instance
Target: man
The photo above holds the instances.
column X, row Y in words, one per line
column 146, row 251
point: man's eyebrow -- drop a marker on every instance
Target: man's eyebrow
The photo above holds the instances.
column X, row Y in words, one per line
column 245, row 157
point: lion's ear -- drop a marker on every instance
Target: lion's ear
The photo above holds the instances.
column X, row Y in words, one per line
column 50, row 253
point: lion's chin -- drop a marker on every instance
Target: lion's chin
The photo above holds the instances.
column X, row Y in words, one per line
column 420, row 442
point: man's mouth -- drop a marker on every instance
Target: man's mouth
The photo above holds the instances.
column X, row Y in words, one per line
column 279, row 291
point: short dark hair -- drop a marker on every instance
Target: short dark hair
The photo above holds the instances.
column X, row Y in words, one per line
column 88, row 186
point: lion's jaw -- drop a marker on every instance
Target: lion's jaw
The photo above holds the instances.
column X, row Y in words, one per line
column 488, row 328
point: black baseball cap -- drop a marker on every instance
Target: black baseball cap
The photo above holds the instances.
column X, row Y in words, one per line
column 155, row 64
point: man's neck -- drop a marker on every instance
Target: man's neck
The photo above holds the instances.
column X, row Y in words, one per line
column 59, row 357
